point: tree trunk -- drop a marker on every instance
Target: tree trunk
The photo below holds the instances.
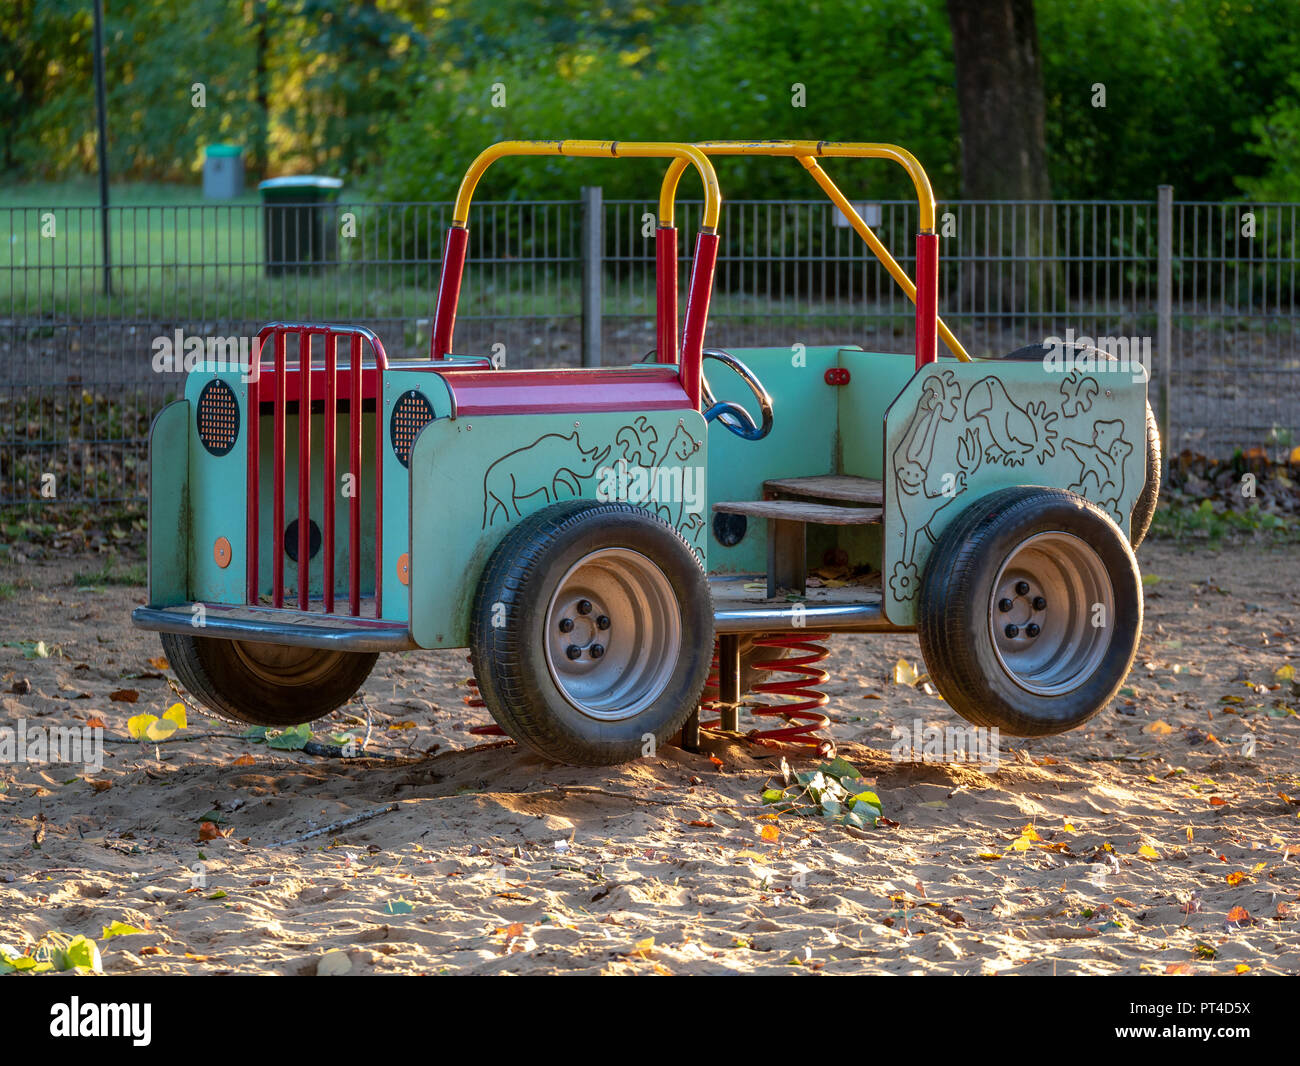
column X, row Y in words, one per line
column 1004, row 153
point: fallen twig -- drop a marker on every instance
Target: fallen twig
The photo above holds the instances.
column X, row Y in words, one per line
column 343, row 823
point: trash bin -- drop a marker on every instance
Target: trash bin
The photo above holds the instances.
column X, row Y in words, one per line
column 298, row 215
column 223, row 171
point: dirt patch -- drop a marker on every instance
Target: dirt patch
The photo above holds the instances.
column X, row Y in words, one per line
column 1168, row 828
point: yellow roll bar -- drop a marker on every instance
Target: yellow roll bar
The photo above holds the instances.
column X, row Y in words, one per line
column 683, row 155
column 807, row 152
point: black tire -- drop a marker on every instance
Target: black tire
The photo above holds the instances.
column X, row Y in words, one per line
column 599, row 710
column 1072, row 552
column 265, row 684
column 1144, row 509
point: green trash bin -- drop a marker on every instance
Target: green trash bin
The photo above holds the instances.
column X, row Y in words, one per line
column 299, row 217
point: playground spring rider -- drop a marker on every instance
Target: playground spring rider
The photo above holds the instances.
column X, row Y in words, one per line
column 614, row 545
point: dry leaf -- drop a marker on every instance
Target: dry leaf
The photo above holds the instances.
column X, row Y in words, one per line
column 160, row 662
column 124, row 695
column 245, row 760
column 905, row 673
column 771, row 834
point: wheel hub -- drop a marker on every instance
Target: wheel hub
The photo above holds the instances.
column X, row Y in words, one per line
column 1051, row 613
column 613, row 632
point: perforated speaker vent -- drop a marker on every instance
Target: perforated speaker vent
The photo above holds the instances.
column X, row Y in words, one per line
column 218, row 417
column 411, row 413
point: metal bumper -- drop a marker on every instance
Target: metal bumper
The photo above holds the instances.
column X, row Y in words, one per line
column 267, row 625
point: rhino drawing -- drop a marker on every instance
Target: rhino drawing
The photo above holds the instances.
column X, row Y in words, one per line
column 551, row 463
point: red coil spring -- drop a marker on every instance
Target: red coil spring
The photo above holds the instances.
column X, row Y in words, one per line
column 476, row 700
column 802, row 715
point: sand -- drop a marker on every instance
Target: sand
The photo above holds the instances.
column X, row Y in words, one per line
column 1164, row 845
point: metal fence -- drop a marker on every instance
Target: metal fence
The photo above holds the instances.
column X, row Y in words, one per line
column 1210, row 288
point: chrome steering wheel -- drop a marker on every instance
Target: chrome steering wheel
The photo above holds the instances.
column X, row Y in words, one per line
column 730, row 414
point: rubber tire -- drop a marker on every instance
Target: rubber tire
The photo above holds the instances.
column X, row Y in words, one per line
column 212, row 671
column 952, row 617
column 510, row 662
column 1144, row 508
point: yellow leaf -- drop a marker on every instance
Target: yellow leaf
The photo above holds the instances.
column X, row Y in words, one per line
column 1257, row 867
column 989, row 856
column 1235, row 878
column 1189, row 834
column 1069, row 828
column 1021, row 844
column 1148, row 852
column 1160, row 728
column 161, row 729
column 1242, row 968
column 176, row 713
column 1030, row 833
column 643, row 947
column 1285, row 673
column 138, row 725
column 905, row 673
column 771, row 833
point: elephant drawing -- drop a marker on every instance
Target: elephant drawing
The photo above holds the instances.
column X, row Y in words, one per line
column 551, row 464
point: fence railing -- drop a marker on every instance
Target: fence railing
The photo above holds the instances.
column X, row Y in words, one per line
column 1209, row 289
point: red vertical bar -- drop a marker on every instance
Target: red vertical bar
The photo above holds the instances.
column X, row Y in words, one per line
column 697, row 314
column 277, row 506
column 354, row 465
column 453, row 268
column 927, row 298
column 666, row 294
column 253, row 487
column 330, row 485
column 304, row 467
column 379, row 484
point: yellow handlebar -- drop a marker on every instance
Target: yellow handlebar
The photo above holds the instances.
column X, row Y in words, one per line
column 807, row 152
column 683, row 155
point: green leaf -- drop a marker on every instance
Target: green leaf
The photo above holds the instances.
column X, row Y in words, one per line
column 773, row 795
column 116, row 928
column 82, row 954
column 294, row 739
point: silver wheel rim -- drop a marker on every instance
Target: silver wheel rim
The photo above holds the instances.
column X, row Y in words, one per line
column 1051, row 613
column 613, row 634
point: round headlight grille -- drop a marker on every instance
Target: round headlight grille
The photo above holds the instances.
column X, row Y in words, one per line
column 218, row 417
column 411, row 413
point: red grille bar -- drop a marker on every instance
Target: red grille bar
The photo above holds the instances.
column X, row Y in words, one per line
column 277, row 396
column 304, row 468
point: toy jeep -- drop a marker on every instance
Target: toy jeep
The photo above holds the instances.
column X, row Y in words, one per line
column 617, row 546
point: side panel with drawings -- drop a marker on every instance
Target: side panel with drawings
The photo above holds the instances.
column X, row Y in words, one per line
column 959, row 431
column 473, row 478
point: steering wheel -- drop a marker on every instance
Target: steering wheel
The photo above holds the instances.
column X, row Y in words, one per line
column 730, row 414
